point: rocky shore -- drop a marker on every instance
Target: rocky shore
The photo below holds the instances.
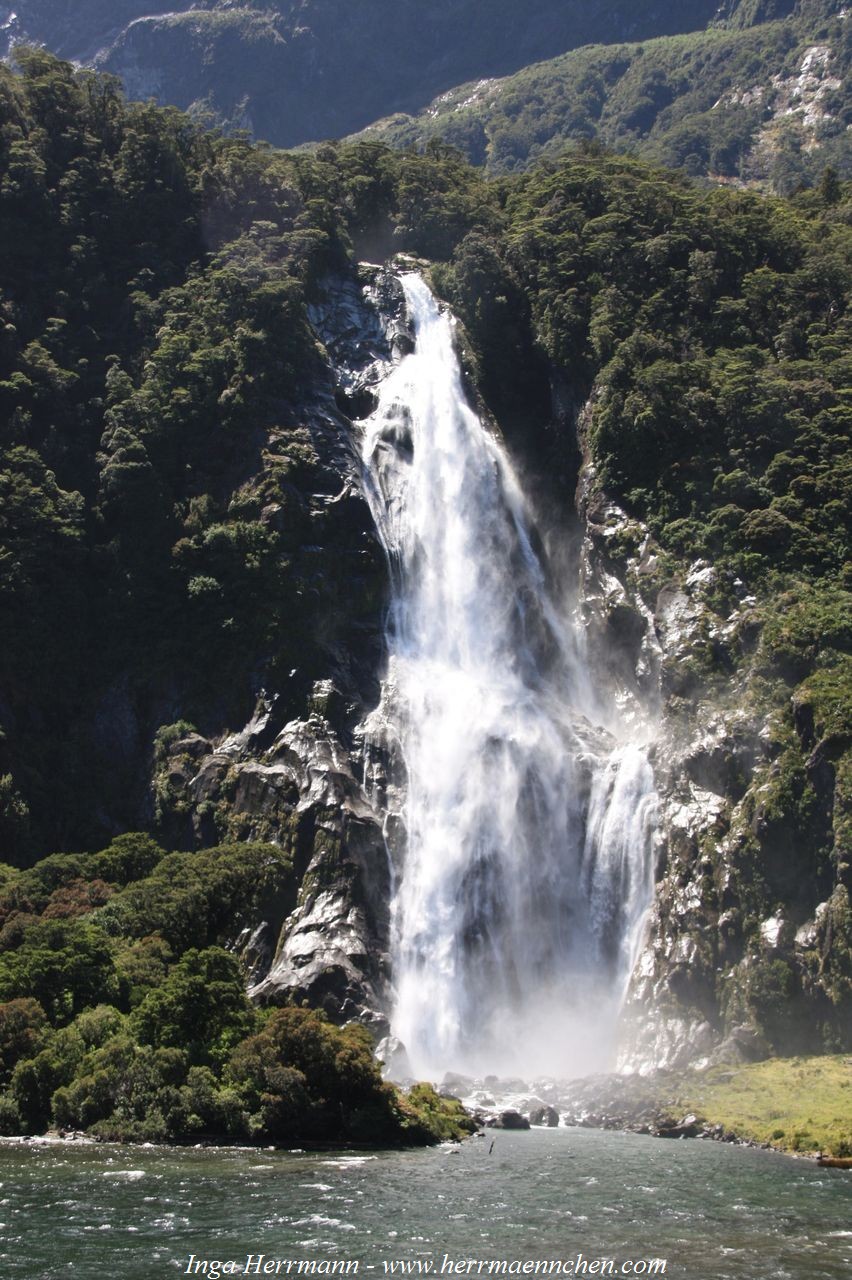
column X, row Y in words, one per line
column 799, row 1106
column 634, row 1104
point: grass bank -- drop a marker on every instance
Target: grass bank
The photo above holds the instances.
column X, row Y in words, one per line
column 796, row 1104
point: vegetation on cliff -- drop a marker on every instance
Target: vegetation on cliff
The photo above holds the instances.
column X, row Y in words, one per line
column 162, row 499
column 712, row 330
column 169, row 544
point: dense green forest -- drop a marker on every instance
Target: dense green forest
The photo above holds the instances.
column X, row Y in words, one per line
column 122, row 1016
column 155, row 348
column 748, row 100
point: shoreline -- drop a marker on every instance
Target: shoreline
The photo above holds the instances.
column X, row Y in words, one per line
column 52, row 1139
column 795, row 1106
column 800, row 1107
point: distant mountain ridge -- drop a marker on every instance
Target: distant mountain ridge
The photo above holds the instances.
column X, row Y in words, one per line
column 77, row 31
column 761, row 97
column 297, row 72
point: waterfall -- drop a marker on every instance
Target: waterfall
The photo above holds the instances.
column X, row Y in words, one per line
column 526, row 872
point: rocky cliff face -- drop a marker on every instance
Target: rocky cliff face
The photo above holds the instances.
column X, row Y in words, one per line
column 318, row 783
column 746, row 952
column 744, row 948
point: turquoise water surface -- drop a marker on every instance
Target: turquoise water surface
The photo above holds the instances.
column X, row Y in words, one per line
column 711, row 1211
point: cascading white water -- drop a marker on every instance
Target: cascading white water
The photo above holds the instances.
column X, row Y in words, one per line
column 527, row 873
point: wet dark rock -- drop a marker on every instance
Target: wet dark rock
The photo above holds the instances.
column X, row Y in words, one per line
column 686, row 1128
column 511, row 1120
column 626, row 626
column 357, row 404
column 547, row 1117
column 256, row 948
column 403, row 344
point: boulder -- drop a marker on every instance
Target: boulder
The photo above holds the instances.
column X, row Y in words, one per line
column 511, row 1120
column 688, row 1127
column 544, row 1117
column 393, row 1056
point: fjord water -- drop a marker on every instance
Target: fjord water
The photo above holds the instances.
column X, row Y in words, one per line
column 526, row 870
column 713, row 1212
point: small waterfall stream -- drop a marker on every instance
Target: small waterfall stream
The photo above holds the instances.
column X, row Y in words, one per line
column 526, row 873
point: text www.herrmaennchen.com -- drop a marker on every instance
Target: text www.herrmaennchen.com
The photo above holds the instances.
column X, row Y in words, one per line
column 261, row 1264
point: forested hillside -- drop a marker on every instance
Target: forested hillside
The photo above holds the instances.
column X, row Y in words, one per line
column 291, row 73
column 751, row 100
column 748, row 92
column 177, row 539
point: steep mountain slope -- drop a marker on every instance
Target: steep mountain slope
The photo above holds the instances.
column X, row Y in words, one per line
column 192, row 587
column 747, row 13
column 77, row 31
column 322, row 68
column 755, row 104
